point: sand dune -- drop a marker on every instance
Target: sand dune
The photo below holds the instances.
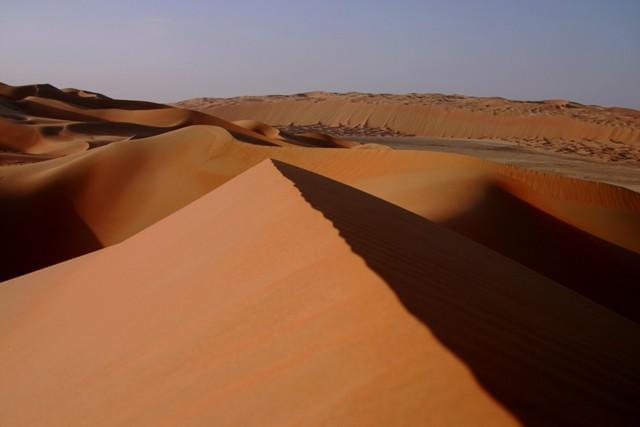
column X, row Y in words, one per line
column 436, row 115
column 611, row 134
column 43, row 120
column 258, row 127
column 309, row 312
column 163, row 266
column 531, row 217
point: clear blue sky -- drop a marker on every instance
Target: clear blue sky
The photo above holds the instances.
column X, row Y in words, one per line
column 584, row 50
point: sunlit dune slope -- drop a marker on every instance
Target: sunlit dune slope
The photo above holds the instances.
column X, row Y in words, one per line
column 581, row 234
column 435, row 115
column 286, row 298
column 592, row 132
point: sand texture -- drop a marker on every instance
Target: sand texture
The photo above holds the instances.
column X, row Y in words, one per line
column 561, row 126
column 163, row 266
column 40, row 122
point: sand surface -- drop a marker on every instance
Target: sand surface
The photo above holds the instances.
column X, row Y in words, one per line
column 272, row 293
column 562, row 126
column 576, row 166
column 40, row 122
column 163, row 266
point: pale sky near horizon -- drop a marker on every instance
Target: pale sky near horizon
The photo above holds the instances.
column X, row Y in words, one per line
column 584, row 50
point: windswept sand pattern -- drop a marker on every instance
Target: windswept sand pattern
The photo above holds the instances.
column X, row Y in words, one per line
column 606, row 134
column 611, row 151
column 163, row 266
column 610, row 116
column 339, row 131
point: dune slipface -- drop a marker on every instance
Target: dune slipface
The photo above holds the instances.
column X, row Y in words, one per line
column 92, row 200
column 163, row 266
column 280, row 298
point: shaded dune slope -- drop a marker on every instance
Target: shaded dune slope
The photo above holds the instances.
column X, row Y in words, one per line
column 410, row 254
column 304, row 140
column 330, row 307
column 598, row 269
column 583, row 235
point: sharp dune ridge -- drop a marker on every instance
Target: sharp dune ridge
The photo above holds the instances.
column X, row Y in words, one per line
column 164, row 266
column 532, row 217
column 219, row 347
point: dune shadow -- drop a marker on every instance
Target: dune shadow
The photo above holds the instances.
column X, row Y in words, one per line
column 40, row 110
column 545, row 353
column 41, row 231
column 132, row 130
column 248, row 138
column 51, row 130
column 604, row 272
column 308, row 141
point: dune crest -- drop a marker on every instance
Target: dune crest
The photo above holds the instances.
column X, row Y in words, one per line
column 272, row 336
column 533, row 218
column 163, row 266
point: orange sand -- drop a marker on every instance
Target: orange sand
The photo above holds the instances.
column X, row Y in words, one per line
column 273, row 301
column 220, row 287
column 552, row 125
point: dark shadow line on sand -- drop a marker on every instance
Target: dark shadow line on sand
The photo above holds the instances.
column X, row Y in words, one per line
column 603, row 272
column 41, row 231
column 550, row 356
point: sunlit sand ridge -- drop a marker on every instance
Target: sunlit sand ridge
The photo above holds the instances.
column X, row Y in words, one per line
column 164, row 266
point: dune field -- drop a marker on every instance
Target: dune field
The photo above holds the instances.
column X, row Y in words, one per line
column 560, row 126
column 274, row 261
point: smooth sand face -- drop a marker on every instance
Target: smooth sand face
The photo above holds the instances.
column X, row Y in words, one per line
column 218, row 286
column 533, row 218
column 269, row 302
column 264, row 319
column 625, row 175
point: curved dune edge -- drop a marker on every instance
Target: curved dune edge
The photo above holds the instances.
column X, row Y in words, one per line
column 43, row 120
column 261, row 128
column 580, row 234
column 302, row 314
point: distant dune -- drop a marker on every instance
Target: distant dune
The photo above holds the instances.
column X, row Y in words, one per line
column 40, row 121
column 611, row 134
column 164, row 266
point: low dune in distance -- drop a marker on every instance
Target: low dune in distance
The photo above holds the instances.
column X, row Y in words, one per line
column 609, row 134
column 164, row 266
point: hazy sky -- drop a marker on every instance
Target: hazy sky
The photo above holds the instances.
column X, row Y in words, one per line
column 584, row 50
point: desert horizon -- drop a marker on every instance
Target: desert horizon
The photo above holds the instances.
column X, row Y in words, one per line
column 319, row 91
column 86, row 160
column 385, row 250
